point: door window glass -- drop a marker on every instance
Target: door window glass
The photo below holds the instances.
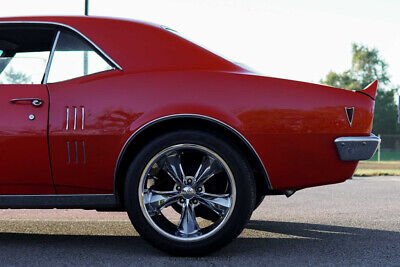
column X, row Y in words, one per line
column 24, row 52
column 75, row 57
column 24, row 68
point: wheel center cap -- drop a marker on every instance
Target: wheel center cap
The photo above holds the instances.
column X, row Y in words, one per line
column 188, row 192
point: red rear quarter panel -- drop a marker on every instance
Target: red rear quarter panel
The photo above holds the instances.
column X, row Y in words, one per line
column 291, row 125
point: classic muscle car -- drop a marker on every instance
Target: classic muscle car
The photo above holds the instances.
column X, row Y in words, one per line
column 121, row 115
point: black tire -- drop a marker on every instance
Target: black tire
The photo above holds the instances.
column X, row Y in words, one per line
column 245, row 193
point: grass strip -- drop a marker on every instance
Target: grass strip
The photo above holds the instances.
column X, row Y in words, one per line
column 377, row 172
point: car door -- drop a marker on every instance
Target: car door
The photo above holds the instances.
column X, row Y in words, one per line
column 24, row 103
column 83, row 138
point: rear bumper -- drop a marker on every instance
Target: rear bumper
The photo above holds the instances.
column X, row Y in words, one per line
column 355, row 148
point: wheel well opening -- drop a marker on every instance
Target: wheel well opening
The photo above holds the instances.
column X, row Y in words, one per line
column 140, row 139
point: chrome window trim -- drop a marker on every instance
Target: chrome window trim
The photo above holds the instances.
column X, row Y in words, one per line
column 188, row 115
column 46, row 73
column 116, row 65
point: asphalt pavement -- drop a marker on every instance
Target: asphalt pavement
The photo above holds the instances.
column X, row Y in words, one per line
column 353, row 223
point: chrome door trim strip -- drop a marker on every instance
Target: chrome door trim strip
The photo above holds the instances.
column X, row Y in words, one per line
column 189, row 115
column 116, row 65
column 46, row 73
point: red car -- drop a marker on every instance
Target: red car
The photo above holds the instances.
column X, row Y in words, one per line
column 120, row 115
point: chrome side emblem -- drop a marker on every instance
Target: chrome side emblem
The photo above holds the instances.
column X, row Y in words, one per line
column 75, row 116
column 349, row 114
column 70, row 148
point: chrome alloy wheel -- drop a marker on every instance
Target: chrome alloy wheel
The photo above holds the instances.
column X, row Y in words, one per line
column 181, row 180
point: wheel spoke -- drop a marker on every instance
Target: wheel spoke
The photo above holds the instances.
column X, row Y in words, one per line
column 188, row 223
column 218, row 203
column 207, row 169
column 207, row 190
column 155, row 201
column 173, row 167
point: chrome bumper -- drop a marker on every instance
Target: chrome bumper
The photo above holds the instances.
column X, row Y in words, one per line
column 355, row 148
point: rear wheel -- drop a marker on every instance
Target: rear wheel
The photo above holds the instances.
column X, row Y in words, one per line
column 189, row 192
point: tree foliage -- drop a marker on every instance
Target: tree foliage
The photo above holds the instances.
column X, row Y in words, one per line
column 367, row 66
column 14, row 77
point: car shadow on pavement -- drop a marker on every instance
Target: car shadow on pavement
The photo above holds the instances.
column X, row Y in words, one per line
column 262, row 241
column 288, row 242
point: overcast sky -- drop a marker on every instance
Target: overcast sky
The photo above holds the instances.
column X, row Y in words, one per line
column 300, row 40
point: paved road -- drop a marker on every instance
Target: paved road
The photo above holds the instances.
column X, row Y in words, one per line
column 356, row 222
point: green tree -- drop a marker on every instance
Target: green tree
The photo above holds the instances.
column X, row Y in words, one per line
column 14, row 77
column 386, row 110
column 367, row 66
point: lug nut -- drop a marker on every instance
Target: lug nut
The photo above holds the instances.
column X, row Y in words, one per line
column 199, row 189
column 182, row 200
column 178, row 188
column 194, row 201
column 189, row 181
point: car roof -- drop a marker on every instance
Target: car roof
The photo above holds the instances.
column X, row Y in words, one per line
column 136, row 46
